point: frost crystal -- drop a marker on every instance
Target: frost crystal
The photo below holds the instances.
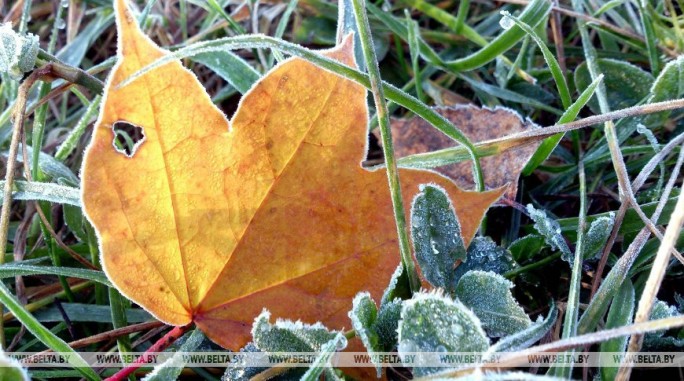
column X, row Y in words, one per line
column 17, row 53
column 506, row 22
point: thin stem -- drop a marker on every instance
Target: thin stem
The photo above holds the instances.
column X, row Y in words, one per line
column 19, row 119
column 387, row 145
column 515, row 359
column 655, row 278
column 159, row 346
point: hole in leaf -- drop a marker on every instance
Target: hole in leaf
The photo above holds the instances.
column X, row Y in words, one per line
column 127, row 137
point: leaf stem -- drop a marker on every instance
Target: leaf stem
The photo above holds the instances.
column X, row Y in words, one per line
column 387, row 145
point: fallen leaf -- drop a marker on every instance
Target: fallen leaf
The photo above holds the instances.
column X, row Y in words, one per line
column 414, row 135
column 211, row 221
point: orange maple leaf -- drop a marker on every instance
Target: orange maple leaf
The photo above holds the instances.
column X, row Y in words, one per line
column 211, row 221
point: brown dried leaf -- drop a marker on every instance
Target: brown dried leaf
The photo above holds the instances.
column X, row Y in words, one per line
column 414, row 135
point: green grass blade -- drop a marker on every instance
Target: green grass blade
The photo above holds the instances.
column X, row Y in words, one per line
column 549, row 144
column 44, row 335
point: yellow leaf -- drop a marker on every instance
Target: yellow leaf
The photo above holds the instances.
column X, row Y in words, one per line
column 211, row 221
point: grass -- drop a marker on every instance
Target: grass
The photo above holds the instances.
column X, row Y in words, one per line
column 567, row 67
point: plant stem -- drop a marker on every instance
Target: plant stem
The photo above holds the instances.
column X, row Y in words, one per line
column 387, row 145
column 655, row 278
column 161, row 344
column 19, row 119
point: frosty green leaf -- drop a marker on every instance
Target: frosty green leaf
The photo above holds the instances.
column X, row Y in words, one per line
column 431, row 322
column 436, row 236
column 398, row 287
column 363, row 316
column 387, row 323
column 288, row 336
column 171, row 368
column 551, row 231
column 657, row 339
column 18, row 53
column 242, row 372
column 484, row 254
column 597, row 236
column 60, row 194
column 527, row 337
column 526, row 247
column 488, row 294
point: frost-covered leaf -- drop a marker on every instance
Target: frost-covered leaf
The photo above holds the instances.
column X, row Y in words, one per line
column 243, row 373
column 11, row 369
column 363, row 315
column 657, row 339
column 387, row 324
column 551, row 231
column 526, row 247
column 171, row 368
column 436, row 236
column 288, row 336
column 527, row 337
column 488, row 294
column 597, row 235
column 625, row 84
column 17, row 53
column 60, row 194
column 431, row 322
column 485, row 255
column 376, row 329
column 398, row 287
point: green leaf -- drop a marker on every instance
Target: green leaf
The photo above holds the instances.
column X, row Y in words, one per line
column 230, row 67
column 288, row 336
column 431, row 322
column 50, row 192
column 363, row 316
column 551, row 231
column 657, row 339
column 387, row 323
column 171, row 368
column 525, row 338
column 398, row 287
column 488, row 294
column 485, row 255
column 597, row 236
column 88, row 313
column 526, row 247
column 11, row 369
column 626, row 84
column 436, row 236
column 18, row 52
column 73, row 218
column 49, row 166
column 619, row 315
column 13, row 269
